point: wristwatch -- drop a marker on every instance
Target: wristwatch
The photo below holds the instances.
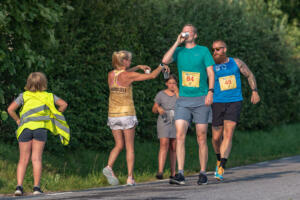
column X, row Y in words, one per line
column 254, row 90
column 212, row 90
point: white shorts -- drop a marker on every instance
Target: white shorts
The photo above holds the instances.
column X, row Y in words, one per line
column 122, row 123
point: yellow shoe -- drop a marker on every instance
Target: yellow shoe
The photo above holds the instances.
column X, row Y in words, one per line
column 221, row 171
column 217, row 167
column 219, row 175
column 218, row 163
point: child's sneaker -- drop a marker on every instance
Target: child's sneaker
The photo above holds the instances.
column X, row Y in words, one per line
column 19, row 191
column 130, row 181
column 159, row 176
column 37, row 190
column 109, row 174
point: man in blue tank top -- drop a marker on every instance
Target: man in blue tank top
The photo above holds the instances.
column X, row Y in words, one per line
column 227, row 101
column 196, row 82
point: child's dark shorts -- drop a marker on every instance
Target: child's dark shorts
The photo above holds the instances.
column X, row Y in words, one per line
column 39, row 134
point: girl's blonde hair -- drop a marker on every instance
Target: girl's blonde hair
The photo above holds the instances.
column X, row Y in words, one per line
column 36, row 81
column 119, row 56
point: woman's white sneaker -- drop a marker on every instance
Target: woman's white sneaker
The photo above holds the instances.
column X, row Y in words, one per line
column 109, row 174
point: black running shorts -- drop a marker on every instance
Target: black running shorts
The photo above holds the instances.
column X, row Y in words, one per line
column 226, row 111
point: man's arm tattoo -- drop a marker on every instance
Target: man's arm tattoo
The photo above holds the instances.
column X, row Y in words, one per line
column 247, row 73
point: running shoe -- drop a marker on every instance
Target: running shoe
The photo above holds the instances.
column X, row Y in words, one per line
column 219, row 177
column 217, row 167
column 170, row 181
column 19, row 191
column 109, row 174
column 202, row 179
column 159, row 176
column 178, row 179
column 220, row 173
column 130, row 181
column 37, row 190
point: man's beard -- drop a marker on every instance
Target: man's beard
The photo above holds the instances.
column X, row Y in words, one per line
column 219, row 58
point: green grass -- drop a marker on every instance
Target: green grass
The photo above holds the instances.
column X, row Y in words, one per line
column 82, row 169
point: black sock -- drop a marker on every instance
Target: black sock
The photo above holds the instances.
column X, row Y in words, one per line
column 218, row 156
column 223, row 162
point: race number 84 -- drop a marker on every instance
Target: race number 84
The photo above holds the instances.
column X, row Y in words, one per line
column 190, row 79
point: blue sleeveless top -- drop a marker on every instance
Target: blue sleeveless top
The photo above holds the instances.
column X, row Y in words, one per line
column 227, row 82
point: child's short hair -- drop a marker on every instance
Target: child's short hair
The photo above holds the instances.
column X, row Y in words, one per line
column 36, row 81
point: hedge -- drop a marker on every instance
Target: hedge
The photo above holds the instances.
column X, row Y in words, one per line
column 87, row 32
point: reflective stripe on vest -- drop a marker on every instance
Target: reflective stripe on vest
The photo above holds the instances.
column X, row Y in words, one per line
column 34, row 110
column 44, row 115
column 44, row 118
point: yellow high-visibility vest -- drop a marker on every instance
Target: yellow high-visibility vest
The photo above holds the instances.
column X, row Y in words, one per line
column 39, row 111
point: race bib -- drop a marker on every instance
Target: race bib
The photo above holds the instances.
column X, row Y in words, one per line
column 227, row 82
column 190, row 79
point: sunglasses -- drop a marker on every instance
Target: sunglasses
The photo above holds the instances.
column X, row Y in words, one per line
column 217, row 49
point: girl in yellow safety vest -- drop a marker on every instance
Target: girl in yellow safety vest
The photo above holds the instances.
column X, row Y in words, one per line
column 37, row 115
column 121, row 112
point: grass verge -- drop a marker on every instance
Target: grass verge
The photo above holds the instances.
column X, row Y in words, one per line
column 83, row 169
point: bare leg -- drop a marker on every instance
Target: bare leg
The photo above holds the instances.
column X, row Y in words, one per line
column 162, row 155
column 119, row 145
column 181, row 129
column 36, row 158
column 25, row 152
column 217, row 132
column 229, row 127
column 129, row 143
column 172, row 155
column 201, row 130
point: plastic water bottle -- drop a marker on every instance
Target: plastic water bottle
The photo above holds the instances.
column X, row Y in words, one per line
column 164, row 117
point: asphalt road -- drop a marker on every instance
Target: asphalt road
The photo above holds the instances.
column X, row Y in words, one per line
column 272, row 180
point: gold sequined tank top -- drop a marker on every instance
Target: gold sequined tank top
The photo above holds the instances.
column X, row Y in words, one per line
column 120, row 99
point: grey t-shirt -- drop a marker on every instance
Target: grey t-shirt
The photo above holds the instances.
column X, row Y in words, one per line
column 166, row 125
column 165, row 101
column 20, row 101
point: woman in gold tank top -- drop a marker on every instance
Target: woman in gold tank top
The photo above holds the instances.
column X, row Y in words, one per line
column 121, row 113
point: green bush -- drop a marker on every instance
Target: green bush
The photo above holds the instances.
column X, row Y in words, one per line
column 26, row 37
column 87, row 32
